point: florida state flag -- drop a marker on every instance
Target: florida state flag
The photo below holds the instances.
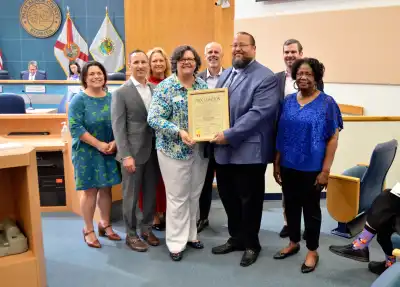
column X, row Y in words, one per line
column 70, row 46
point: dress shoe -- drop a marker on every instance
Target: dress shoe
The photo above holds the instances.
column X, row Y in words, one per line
column 94, row 244
column 308, row 269
column 249, row 257
column 111, row 236
column 225, row 248
column 176, row 256
column 150, row 238
column 347, row 251
column 201, row 224
column 284, row 232
column 281, row 255
column 377, row 267
column 135, row 243
column 196, row 244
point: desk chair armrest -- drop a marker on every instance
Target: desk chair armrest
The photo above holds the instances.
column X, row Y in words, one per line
column 396, row 252
column 343, row 197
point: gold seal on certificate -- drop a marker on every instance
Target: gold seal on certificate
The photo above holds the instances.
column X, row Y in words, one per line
column 208, row 113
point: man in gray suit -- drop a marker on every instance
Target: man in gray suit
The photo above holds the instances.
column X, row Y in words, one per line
column 213, row 54
column 244, row 150
column 136, row 151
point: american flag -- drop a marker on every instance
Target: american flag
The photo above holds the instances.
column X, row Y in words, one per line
column 1, row 60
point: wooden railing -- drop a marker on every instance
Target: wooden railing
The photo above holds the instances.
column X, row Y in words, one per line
column 351, row 110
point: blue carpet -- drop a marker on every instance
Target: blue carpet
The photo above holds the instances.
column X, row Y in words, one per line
column 70, row 262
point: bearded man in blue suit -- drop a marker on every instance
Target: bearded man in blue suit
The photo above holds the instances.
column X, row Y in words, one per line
column 243, row 151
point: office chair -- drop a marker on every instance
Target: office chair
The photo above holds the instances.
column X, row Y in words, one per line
column 4, row 75
column 116, row 76
column 12, row 104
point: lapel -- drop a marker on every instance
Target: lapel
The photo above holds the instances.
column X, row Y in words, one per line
column 283, row 83
column 136, row 96
column 242, row 76
column 224, row 77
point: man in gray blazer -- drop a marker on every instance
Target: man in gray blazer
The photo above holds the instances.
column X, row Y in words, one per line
column 213, row 54
column 244, row 150
column 136, row 151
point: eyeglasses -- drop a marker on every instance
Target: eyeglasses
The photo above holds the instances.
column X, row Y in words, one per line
column 184, row 60
column 241, row 46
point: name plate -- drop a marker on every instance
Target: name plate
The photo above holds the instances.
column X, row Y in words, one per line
column 208, row 113
column 35, row 89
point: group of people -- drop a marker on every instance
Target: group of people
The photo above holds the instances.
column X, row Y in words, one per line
column 139, row 136
column 33, row 72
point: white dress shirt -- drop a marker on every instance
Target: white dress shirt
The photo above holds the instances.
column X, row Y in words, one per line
column 32, row 77
column 289, row 85
column 144, row 91
column 212, row 80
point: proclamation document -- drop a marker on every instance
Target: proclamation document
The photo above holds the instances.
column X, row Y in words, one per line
column 208, row 113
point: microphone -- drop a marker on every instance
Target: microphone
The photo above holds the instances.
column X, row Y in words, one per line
column 30, row 101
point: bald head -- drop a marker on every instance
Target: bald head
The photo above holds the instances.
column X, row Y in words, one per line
column 213, row 54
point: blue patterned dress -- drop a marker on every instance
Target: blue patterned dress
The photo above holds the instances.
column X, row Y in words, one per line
column 93, row 169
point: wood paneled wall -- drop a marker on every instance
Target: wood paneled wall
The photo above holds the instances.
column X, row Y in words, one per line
column 170, row 23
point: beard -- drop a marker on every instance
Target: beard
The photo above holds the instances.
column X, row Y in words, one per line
column 241, row 63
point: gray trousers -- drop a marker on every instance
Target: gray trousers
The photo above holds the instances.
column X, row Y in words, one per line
column 145, row 178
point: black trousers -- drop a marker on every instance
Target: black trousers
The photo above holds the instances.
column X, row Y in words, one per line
column 301, row 193
column 206, row 194
column 383, row 216
column 241, row 189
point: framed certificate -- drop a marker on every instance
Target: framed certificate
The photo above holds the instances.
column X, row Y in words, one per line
column 208, row 113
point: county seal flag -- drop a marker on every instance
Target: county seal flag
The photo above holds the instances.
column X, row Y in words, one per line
column 108, row 48
column 70, row 46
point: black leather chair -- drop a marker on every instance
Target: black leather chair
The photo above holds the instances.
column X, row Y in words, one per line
column 4, row 75
column 116, row 76
column 12, row 104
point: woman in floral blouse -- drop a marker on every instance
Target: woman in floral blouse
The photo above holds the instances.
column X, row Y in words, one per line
column 182, row 163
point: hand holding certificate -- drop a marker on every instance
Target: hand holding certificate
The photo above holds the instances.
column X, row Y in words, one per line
column 208, row 113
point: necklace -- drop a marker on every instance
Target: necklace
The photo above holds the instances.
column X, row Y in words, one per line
column 301, row 96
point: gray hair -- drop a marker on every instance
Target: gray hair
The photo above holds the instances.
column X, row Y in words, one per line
column 210, row 44
column 33, row 63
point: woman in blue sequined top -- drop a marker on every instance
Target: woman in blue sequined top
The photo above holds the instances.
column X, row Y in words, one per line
column 307, row 139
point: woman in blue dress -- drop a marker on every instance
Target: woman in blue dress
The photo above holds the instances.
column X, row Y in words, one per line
column 93, row 150
column 307, row 139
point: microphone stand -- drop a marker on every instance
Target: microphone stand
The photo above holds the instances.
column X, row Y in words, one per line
column 30, row 101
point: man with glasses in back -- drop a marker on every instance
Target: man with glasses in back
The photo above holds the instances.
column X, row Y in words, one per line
column 243, row 151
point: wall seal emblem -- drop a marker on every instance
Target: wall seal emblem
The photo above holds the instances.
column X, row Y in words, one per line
column 40, row 18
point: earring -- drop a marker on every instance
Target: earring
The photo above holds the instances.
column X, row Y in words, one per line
column 295, row 86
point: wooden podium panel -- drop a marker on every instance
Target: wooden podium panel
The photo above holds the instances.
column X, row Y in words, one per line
column 19, row 200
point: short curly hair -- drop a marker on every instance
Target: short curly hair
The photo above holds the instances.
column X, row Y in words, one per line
column 316, row 66
column 177, row 55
